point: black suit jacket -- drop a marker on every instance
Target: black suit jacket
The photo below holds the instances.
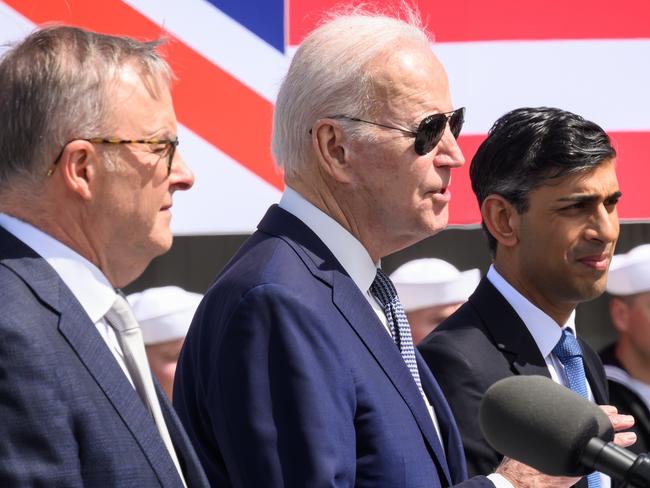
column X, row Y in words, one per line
column 482, row 342
column 68, row 414
column 628, row 401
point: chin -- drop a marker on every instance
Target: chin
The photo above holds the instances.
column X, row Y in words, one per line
column 160, row 244
column 438, row 221
column 590, row 292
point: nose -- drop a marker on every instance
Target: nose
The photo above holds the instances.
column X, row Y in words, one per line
column 448, row 152
column 181, row 176
column 605, row 226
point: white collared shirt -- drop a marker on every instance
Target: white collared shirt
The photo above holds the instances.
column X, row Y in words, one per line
column 86, row 282
column 349, row 252
column 546, row 333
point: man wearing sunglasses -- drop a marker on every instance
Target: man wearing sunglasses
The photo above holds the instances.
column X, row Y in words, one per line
column 87, row 174
column 299, row 369
column 546, row 184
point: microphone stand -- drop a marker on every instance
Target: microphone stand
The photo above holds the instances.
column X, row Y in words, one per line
column 619, row 463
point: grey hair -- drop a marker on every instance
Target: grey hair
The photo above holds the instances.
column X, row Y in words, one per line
column 329, row 76
column 54, row 88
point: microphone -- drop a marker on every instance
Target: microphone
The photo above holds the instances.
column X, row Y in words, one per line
column 547, row 426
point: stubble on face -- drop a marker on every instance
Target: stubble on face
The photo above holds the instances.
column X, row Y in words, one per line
column 566, row 240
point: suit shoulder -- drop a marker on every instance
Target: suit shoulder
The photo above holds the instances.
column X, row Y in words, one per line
column 18, row 299
column 465, row 324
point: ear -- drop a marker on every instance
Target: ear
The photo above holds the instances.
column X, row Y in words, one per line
column 77, row 167
column 620, row 314
column 329, row 144
column 501, row 219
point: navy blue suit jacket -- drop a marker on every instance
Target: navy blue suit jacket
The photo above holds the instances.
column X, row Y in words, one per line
column 68, row 414
column 482, row 342
column 287, row 378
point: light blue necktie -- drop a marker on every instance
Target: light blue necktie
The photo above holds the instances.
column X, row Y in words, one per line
column 569, row 353
column 383, row 289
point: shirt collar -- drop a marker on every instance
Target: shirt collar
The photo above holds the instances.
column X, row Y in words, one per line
column 542, row 327
column 344, row 246
column 86, row 282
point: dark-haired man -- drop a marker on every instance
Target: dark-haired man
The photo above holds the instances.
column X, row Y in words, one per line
column 546, row 184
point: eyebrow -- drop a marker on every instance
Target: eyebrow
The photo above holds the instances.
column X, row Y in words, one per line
column 580, row 198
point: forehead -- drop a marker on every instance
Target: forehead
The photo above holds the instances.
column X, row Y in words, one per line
column 410, row 81
column 599, row 182
column 140, row 102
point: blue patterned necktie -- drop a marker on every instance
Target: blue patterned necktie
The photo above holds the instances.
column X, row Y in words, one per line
column 384, row 291
column 569, row 353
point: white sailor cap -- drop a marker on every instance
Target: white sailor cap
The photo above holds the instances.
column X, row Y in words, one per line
column 428, row 282
column 629, row 273
column 164, row 313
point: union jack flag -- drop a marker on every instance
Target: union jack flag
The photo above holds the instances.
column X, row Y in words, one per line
column 588, row 56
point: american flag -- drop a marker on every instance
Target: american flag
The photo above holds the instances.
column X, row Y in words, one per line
column 588, row 56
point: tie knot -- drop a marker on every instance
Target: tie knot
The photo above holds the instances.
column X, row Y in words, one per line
column 567, row 346
column 382, row 288
column 120, row 316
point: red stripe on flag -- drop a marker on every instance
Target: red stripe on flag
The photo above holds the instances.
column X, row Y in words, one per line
column 633, row 171
column 481, row 20
column 208, row 100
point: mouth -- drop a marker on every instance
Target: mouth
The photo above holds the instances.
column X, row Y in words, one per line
column 443, row 195
column 166, row 207
column 599, row 262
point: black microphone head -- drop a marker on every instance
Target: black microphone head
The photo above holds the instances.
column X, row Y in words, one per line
column 542, row 424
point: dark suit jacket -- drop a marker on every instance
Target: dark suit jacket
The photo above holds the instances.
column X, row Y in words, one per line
column 628, row 401
column 287, row 378
column 481, row 343
column 68, row 414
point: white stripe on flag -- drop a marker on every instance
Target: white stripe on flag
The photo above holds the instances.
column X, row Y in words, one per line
column 220, row 39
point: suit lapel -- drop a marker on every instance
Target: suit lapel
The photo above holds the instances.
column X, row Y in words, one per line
column 84, row 339
column 511, row 336
column 455, row 467
column 100, row 363
column 194, row 474
column 353, row 306
column 350, row 302
column 595, row 374
column 508, row 332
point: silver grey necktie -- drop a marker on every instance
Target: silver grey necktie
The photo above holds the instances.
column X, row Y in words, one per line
column 121, row 319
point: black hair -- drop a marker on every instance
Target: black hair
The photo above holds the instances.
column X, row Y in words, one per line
column 529, row 146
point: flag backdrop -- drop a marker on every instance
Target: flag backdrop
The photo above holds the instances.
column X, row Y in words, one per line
column 588, row 56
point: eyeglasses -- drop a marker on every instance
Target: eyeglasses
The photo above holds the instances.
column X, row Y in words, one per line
column 167, row 147
column 430, row 130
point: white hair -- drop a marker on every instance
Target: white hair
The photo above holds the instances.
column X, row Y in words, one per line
column 329, row 76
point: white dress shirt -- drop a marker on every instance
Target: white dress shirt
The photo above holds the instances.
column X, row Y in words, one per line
column 546, row 333
column 86, row 282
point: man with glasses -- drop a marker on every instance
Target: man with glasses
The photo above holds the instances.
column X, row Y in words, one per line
column 546, row 185
column 87, row 174
column 299, row 368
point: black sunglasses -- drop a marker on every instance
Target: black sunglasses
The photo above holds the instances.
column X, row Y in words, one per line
column 430, row 130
